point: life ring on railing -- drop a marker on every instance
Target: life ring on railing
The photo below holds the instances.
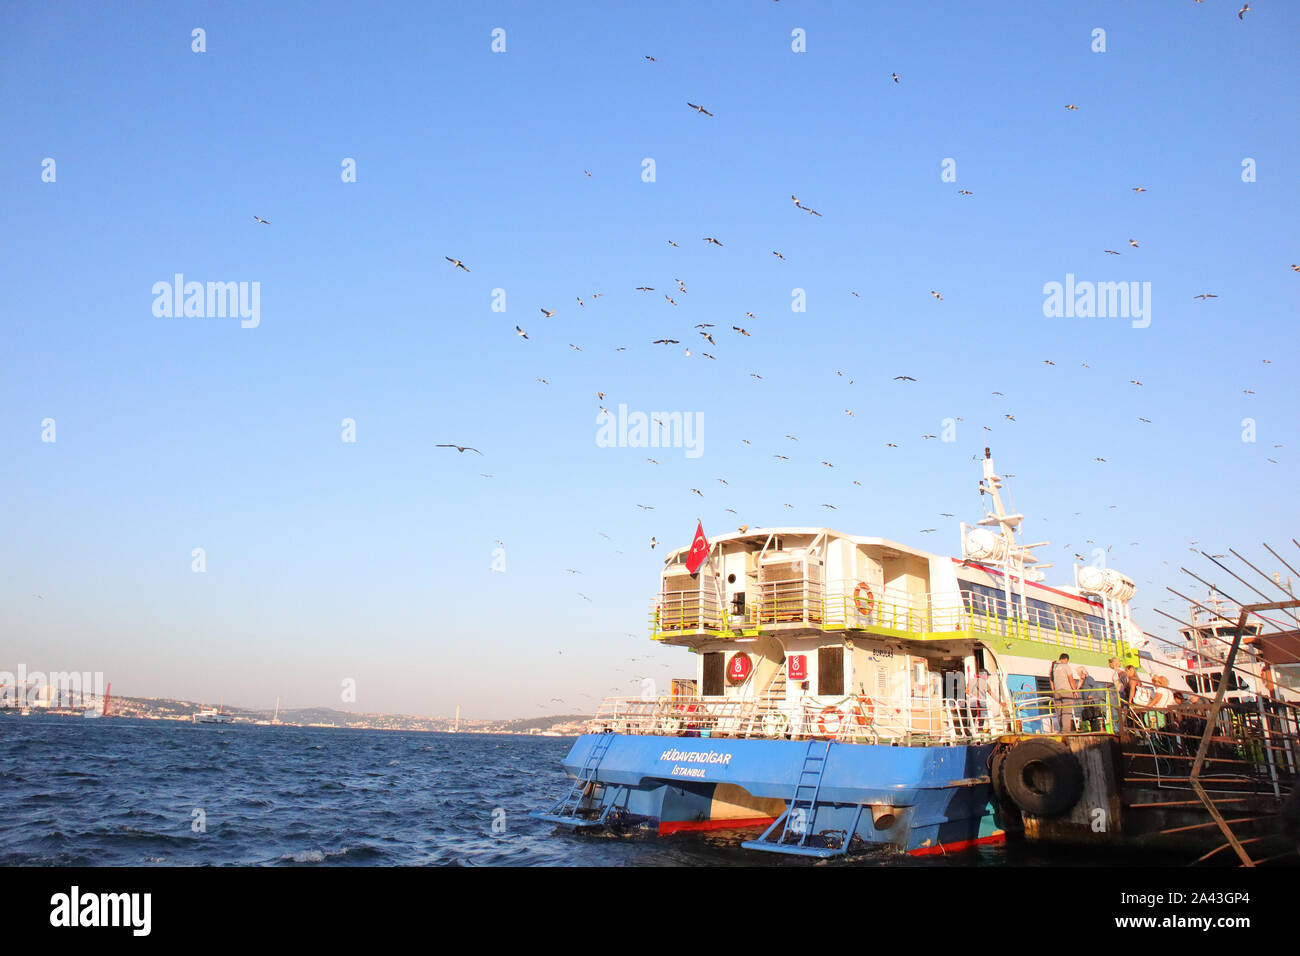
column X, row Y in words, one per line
column 830, row 722
column 863, row 599
column 775, row 724
column 671, row 725
column 864, row 714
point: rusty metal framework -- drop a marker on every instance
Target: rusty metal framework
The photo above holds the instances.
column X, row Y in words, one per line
column 1251, row 750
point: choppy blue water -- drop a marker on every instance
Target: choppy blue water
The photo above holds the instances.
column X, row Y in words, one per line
column 124, row 792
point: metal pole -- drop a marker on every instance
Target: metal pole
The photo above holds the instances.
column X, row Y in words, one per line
column 1211, row 723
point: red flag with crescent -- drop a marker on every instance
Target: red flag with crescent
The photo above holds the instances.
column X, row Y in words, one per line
column 699, row 550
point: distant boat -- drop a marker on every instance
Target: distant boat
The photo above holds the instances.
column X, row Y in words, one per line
column 213, row 715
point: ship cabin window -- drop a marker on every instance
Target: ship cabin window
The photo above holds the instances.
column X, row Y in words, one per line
column 982, row 599
column 714, row 674
column 1209, row 684
column 830, row 671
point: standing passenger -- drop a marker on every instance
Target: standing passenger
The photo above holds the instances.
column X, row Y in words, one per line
column 1063, row 687
column 1119, row 681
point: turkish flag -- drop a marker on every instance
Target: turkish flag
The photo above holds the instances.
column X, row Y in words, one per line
column 699, row 550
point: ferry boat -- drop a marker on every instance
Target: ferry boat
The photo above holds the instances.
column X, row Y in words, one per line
column 848, row 690
column 213, row 715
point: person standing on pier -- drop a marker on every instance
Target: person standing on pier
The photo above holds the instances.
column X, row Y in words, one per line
column 1064, row 685
column 1119, row 680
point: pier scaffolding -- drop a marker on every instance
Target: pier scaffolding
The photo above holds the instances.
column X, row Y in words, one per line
column 1213, row 767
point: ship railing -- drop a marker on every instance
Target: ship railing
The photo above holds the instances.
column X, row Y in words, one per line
column 842, row 606
column 914, row 720
column 920, row 720
column 1085, row 710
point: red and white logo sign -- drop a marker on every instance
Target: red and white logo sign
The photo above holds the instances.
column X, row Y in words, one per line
column 699, row 550
column 738, row 668
column 797, row 668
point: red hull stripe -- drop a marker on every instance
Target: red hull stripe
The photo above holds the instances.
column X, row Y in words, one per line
column 700, row 826
column 999, row 837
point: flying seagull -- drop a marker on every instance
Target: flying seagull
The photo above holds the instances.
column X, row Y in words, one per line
column 699, row 109
column 456, row 262
column 265, row 222
column 461, row 448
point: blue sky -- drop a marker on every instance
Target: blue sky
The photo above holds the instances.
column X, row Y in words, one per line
column 371, row 560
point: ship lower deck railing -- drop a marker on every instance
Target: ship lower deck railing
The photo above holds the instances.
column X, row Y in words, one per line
column 913, row 721
column 841, row 606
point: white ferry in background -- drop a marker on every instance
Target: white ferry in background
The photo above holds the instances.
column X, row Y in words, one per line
column 848, row 690
column 213, row 715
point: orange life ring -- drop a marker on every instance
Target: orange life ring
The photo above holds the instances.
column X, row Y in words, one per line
column 866, row 604
column 864, row 718
column 836, row 726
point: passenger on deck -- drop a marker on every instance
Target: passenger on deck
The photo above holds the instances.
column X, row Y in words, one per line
column 1064, row 686
column 1092, row 700
column 1132, row 686
column 1164, row 695
column 1119, row 681
column 1161, row 702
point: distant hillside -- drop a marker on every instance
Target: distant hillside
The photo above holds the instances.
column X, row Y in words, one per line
column 523, row 725
column 167, row 708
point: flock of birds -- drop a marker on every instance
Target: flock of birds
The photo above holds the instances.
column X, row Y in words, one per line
column 708, row 335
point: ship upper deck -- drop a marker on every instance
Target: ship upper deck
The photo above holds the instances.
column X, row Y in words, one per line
column 799, row 581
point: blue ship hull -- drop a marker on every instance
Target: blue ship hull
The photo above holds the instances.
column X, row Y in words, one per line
column 916, row 799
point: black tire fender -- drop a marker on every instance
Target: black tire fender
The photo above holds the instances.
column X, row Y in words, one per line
column 1042, row 777
column 996, row 762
